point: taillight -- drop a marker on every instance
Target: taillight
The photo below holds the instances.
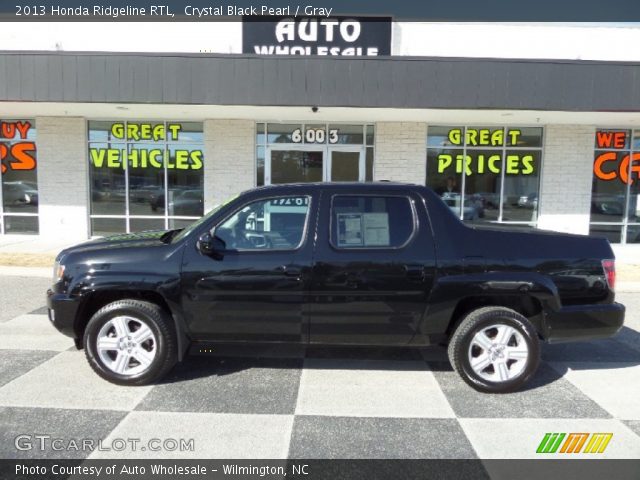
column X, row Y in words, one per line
column 609, row 267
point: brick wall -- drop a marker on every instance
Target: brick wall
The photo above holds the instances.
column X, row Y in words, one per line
column 62, row 177
column 567, row 173
column 400, row 152
column 229, row 159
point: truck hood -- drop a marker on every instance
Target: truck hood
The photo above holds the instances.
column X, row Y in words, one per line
column 126, row 240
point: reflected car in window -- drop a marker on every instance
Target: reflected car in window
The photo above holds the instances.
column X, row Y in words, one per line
column 528, row 201
column 20, row 193
column 473, row 205
column 607, row 204
column 189, row 203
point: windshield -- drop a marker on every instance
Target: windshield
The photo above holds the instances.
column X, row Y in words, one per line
column 186, row 231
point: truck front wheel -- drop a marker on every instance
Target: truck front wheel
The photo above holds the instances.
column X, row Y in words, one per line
column 495, row 350
column 131, row 342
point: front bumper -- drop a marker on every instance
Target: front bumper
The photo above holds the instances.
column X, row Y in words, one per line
column 584, row 322
column 62, row 312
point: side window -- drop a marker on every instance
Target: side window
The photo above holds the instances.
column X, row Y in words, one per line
column 370, row 221
column 272, row 224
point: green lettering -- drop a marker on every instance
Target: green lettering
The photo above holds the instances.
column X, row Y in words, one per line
column 512, row 164
column 113, row 158
column 97, row 156
column 133, row 157
column 527, row 162
column 133, row 130
column 444, row 161
column 174, row 128
column 467, row 165
column 481, row 164
column 493, row 159
column 196, row 158
column 153, row 158
column 455, row 136
column 472, row 137
column 158, row 132
column 182, row 159
column 145, row 131
column 117, row 130
column 497, row 138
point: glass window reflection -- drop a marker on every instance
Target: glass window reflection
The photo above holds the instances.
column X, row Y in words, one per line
column 486, row 173
column 145, row 174
column 19, row 181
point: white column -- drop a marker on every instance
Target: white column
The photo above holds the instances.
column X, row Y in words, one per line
column 63, row 183
column 401, row 152
column 567, row 174
column 229, row 166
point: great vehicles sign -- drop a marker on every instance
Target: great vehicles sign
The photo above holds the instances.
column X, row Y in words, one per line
column 150, row 152
column 342, row 36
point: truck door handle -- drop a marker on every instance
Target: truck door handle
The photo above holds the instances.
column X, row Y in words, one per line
column 414, row 272
column 290, row 270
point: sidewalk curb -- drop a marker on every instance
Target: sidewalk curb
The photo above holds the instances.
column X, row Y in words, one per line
column 627, row 287
column 38, row 272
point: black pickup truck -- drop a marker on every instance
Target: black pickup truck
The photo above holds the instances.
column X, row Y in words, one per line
column 380, row 264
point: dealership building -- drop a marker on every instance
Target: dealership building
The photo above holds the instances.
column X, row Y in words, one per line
column 109, row 128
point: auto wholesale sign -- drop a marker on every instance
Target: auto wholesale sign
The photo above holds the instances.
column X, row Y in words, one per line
column 338, row 36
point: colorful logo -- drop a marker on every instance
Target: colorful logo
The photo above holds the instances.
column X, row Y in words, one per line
column 574, row 443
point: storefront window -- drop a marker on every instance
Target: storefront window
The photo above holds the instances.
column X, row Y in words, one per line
column 145, row 175
column 313, row 152
column 19, row 184
column 615, row 193
column 486, row 174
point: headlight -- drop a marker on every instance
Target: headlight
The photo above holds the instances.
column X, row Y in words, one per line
column 58, row 271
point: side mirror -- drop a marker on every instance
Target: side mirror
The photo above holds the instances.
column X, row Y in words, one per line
column 210, row 245
column 205, row 244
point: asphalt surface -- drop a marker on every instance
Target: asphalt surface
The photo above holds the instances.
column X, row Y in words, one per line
column 20, row 295
column 326, row 403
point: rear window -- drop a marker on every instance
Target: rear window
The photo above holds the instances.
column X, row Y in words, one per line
column 362, row 221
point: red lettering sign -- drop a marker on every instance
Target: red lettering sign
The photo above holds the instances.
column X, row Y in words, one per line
column 19, row 155
column 9, row 130
column 611, row 139
column 620, row 171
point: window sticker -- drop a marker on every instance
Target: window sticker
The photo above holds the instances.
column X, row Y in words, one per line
column 363, row 229
column 376, row 229
column 350, row 229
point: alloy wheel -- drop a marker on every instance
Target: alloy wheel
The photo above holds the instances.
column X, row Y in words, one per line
column 498, row 353
column 126, row 345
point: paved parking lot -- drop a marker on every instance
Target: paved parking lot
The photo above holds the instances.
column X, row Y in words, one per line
column 329, row 403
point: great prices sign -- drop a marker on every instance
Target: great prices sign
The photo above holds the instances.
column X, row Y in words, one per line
column 617, row 161
column 323, row 36
column 476, row 161
column 17, row 151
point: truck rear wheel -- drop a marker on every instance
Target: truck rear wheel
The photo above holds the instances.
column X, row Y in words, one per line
column 131, row 342
column 495, row 350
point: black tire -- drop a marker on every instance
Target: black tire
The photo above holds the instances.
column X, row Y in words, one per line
column 483, row 318
column 156, row 319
